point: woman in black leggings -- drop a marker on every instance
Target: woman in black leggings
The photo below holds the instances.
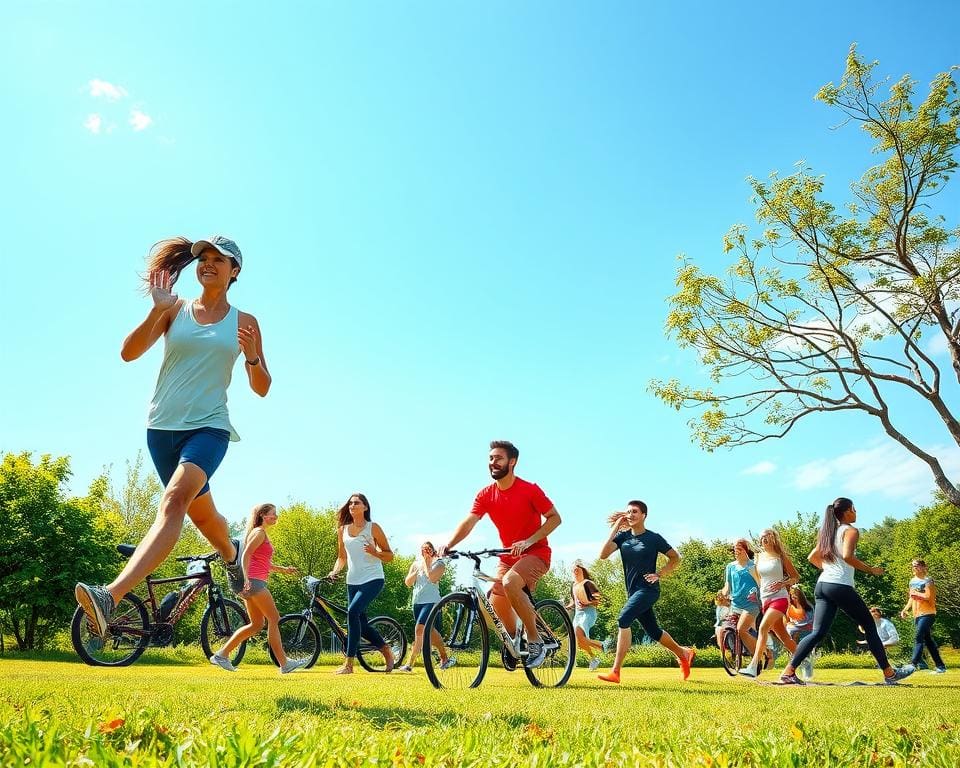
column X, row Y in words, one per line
column 836, row 557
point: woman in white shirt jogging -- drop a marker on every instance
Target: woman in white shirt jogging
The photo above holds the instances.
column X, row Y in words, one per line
column 836, row 557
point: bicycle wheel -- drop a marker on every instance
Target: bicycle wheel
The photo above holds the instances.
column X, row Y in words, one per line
column 219, row 622
column 556, row 632
column 371, row 658
column 128, row 635
column 462, row 662
column 300, row 639
column 730, row 652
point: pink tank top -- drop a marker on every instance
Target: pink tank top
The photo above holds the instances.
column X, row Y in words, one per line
column 260, row 561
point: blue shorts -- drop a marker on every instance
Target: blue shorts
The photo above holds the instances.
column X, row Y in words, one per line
column 420, row 611
column 585, row 618
column 204, row 447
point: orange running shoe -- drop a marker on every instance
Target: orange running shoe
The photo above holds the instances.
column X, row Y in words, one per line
column 610, row 677
column 686, row 661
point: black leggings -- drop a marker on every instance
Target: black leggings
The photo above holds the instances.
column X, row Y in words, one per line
column 831, row 597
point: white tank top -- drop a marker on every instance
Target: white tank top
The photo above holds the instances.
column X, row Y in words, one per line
column 770, row 569
column 839, row 571
column 361, row 567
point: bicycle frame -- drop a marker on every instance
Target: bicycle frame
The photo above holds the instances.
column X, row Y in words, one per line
column 204, row 580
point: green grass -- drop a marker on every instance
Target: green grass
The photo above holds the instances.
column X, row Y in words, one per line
column 64, row 713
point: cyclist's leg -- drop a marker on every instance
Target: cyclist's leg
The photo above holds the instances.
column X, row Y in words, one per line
column 501, row 603
column 248, row 630
column 526, row 572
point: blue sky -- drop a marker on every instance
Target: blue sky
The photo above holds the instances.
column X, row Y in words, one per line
column 460, row 222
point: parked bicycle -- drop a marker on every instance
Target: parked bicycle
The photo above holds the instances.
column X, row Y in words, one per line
column 301, row 636
column 735, row 655
column 136, row 624
column 464, row 619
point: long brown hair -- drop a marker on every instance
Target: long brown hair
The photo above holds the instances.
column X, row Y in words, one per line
column 173, row 255
column 345, row 518
column 256, row 517
column 826, row 548
column 779, row 548
column 795, row 591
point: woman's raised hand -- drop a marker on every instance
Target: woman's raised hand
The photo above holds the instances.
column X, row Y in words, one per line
column 247, row 338
column 160, row 289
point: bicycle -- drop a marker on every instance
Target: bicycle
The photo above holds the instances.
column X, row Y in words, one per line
column 133, row 627
column 301, row 638
column 465, row 618
column 733, row 651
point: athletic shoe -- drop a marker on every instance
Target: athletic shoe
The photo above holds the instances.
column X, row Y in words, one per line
column 405, row 668
column 450, row 662
column 97, row 604
column 536, row 653
column 594, row 663
column 939, row 670
column 749, row 671
column 293, row 665
column 235, row 570
column 222, row 662
column 610, row 677
column 922, row 665
column 900, row 673
column 786, row 679
column 509, row 663
column 686, row 661
column 607, row 644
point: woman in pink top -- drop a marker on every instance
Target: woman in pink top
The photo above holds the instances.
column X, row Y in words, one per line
column 257, row 563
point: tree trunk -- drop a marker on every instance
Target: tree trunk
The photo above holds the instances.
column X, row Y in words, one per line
column 16, row 633
column 31, row 633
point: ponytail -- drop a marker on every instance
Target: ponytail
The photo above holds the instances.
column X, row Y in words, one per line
column 826, row 540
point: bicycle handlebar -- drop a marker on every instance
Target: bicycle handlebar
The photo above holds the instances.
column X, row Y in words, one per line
column 454, row 554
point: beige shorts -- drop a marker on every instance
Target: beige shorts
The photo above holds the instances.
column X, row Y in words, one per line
column 529, row 567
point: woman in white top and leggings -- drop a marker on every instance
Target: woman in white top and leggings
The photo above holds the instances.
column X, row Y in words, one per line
column 836, row 557
column 362, row 547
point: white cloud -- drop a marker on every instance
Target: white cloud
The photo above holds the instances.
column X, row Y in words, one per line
column 760, row 468
column 937, row 345
column 93, row 123
column 139, row 120
column 109, row 91
column 883, row 468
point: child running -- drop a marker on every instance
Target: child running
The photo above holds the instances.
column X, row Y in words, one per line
column 584, row 599
column 639, row 549
column 922, row 601
column 257, row 561
column 424, row 577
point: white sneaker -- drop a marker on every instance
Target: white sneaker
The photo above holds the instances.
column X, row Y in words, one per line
column 594, row 663
column 749, row 671
column 223, row 662
column 293, row 665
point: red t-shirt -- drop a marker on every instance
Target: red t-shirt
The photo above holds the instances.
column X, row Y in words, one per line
column 516, row 513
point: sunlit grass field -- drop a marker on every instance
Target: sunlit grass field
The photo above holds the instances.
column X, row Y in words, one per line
column 190, row 713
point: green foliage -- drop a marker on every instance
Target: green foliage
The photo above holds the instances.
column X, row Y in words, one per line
column 47, row 543
column 824, row 311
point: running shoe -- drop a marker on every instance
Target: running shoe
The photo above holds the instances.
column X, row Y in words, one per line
column 940, row 670
column 450, row 662
column 900, row 673
column 97, row 604
column 607, row 644
column 594, row 663
column 223, row 662
column 405, row 668
column 536, row 653
column 294, row 664
column 749, row 671
column 235, row 569
column 686, row 661
column 509, row 663
column 922, row 665
column 610, row 677
column 786, row 679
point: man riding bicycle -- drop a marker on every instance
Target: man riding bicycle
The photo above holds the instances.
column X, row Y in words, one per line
column 516, row 507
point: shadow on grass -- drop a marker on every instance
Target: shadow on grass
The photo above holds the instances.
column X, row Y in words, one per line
column 386, row 715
